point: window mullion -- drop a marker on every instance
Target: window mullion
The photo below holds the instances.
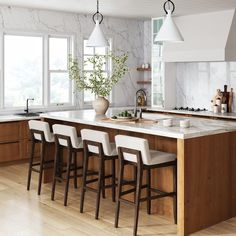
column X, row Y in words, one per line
column 46, row 77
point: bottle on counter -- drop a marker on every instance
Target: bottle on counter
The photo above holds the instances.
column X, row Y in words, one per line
column 223, row 108
column 215, row 109
column 218, row 103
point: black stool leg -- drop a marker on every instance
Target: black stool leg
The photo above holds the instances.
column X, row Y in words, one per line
column 135, row 179
column 137, row 200
column 55, row 170
column 100, row 185
column 148, row 191
column 113, row 180
column 30, row 165
column 120, row 182
column 83, row 187
column 103, row 181
column 41, row 167
column 175, row 190
column 75, row 170
column 68, row 176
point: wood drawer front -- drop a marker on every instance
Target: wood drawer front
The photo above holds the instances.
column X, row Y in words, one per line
column 9, row 152
column 9, row 132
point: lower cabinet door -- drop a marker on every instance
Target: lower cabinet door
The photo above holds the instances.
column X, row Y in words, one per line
column 9, row 152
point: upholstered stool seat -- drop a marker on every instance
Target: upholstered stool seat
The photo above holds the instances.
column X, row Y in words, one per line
column 96, row 144
column 40, row 133
column 66, row 137
column 135, row 151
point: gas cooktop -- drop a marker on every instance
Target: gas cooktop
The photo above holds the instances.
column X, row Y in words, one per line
column 189, row 109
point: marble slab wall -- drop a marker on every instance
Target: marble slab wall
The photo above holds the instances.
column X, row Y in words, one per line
column 197, row 82
column 147, row 47
column 127, row 36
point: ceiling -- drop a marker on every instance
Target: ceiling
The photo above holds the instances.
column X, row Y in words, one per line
column 126, row 8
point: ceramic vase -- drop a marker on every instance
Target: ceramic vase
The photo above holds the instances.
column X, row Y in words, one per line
column 100, row 105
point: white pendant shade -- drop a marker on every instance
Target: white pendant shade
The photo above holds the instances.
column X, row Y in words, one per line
column 169, row 32
column 97, row 38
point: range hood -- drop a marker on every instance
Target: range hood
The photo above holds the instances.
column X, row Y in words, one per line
column 207, row 37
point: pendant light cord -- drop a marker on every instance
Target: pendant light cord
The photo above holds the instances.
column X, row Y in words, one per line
column 97, row 6
column 97, row 14
column 169, row 2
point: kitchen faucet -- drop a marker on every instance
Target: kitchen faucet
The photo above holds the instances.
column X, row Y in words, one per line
column 27, row 104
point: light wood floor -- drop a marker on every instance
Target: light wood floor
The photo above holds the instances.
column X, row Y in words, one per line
column 24, row 213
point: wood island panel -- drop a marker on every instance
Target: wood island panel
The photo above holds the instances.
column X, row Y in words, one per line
column 161, row 178
column 205, row 174
column 206, row 177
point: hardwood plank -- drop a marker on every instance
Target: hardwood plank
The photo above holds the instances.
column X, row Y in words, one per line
column 38, row 215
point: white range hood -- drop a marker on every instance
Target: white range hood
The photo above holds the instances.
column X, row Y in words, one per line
column 207, row 37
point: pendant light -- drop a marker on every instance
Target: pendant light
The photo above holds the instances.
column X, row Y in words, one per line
column 97, row 38
column 169, row 32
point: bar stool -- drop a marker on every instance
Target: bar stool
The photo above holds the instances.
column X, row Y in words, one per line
column 135, row 151
column 66, row 136
column 40, row 133
column 96, row 144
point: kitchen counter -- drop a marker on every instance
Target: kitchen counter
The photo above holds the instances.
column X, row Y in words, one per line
column 9, row 118
column 206, row 162
column 198, row 126
column 210, row 114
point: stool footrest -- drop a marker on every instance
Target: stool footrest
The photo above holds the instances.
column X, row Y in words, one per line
column 127, row 191
column 126, row 201
column 91, row 181
column 90, row 189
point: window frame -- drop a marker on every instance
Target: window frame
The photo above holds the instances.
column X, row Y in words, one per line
column 69, row 51
column 45, row 70
column 108, row 70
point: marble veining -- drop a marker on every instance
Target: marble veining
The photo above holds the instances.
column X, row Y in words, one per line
column 198, row 126
column 127, row 36
column 197, row 82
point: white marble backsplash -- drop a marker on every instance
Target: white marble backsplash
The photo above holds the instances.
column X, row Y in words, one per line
column 127, row 36
column 197, row 82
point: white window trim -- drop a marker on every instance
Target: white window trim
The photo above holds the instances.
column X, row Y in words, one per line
column 45, row 68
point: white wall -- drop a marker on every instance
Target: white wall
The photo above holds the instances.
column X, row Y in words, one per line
column 127, row 35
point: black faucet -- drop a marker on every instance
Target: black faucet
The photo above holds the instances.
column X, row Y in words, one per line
column 27, row 104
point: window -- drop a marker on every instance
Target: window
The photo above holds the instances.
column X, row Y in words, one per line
column 88, row 67
column 23, row 70
column 60, row 86
column 35, row 66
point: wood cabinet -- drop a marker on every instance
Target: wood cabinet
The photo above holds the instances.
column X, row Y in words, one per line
column 15, row 141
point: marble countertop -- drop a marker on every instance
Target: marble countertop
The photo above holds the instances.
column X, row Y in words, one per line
column 10, row 118
column 231, row 115
column 198, row 126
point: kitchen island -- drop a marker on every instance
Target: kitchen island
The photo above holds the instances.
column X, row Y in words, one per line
column 205, row 162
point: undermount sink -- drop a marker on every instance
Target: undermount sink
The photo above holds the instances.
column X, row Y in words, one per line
column 29, row 114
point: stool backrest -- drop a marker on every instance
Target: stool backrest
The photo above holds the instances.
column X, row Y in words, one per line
column 66, row 130
column 97, row 136
column 134, row 143
column 41, row 126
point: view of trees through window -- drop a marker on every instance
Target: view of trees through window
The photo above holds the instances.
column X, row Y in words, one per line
column 88, row 67
column 23, row 70
column 58, row 70
column 31, row 72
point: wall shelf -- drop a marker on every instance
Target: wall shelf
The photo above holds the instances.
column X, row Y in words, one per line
column 144, row 69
